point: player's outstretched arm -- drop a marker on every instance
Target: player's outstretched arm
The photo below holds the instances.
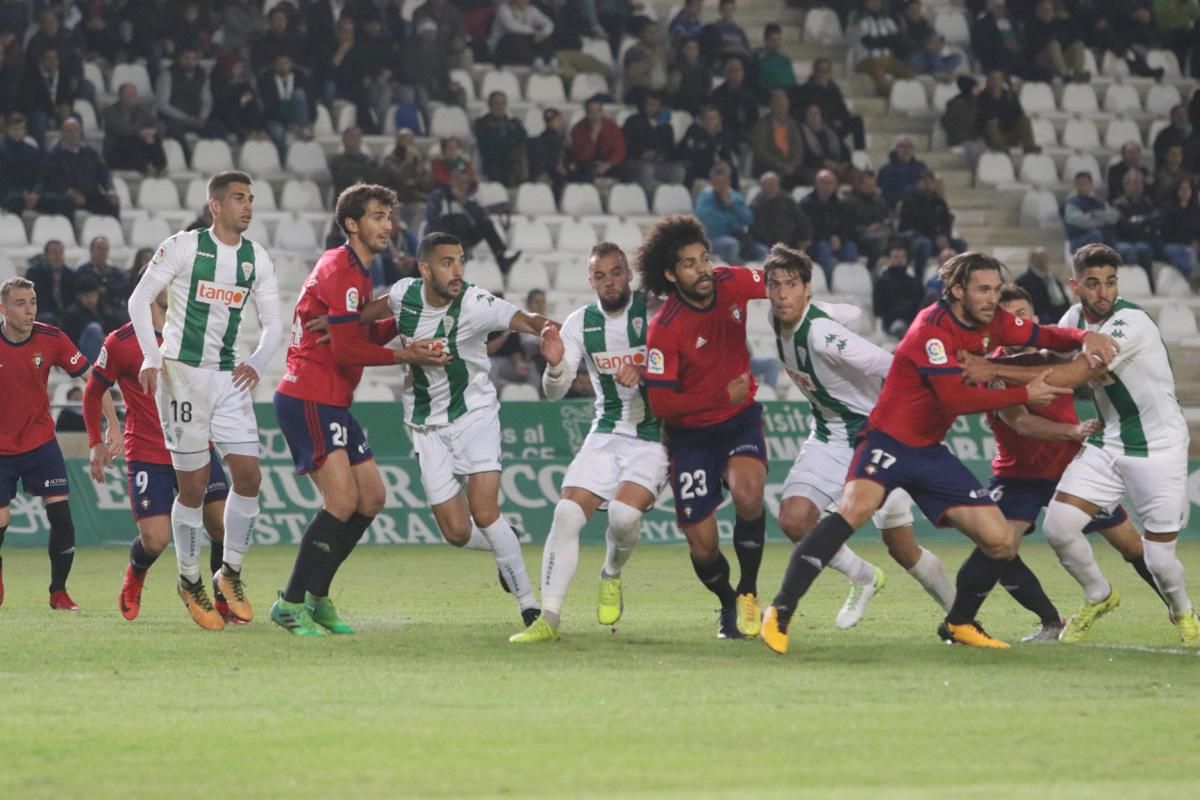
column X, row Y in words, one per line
column 524, row 322
column 376, row 310
column 1034, row 427
column 95, row 393
column 562, row 352
column 959, row 398
column 1070, row 374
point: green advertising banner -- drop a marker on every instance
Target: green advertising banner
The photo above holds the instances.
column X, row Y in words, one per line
column 539, row 440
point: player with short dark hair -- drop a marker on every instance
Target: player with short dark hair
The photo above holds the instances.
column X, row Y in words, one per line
column 28, row 450
column 699, row 384
column 902, row 444
column 312, row 404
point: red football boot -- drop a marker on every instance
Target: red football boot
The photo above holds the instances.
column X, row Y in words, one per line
column 130, row 598
column 61, row 601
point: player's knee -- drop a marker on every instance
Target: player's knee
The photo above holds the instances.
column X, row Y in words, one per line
column 371, row 500
column 484, row 516
column 798, row 519
column 902, row 546
column 748, row 500
column 624, row 521
column 1063, row 522
column 342, row 504
column 248, row 485
column 457, row 534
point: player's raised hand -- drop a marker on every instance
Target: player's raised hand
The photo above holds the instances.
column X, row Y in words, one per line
column 1042, row 393
column 552, row 345
column 629, row 375
column 1099, row 348
column 148, row 380
column 245, row 377
column 425, row 353
column 100, row 459
column 739, row 389
column 977, row 370
column 1085, row 429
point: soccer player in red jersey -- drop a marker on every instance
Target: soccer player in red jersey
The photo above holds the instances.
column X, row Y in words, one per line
column 902, row 446
column 28, row 450
column 150, row 475
column 699, row 384
column 325, row 360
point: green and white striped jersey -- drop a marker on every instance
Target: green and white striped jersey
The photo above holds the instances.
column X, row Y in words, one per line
column 208, row 286
column 839, row 372
column 606, row 342
column 439, row 395
column 1136, row 398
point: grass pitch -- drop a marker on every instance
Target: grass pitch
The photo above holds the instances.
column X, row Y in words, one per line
column 428, row 699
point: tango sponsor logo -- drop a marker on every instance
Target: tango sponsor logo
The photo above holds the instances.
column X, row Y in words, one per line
column 220, row 294
column 610, row 362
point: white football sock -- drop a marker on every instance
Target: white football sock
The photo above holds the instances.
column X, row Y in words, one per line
column 240, row 513
column 624, row 529
column 1167, row 570
column 560, row 557
column 847, row 562
column 1063, row 527
column 507, row 552
column 931, row 574
column 477, row 541
column 187, row 529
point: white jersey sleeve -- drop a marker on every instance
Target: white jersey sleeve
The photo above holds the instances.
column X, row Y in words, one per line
column 850, row 352
column 486, row 312
column 266, row 300
column 164, row 266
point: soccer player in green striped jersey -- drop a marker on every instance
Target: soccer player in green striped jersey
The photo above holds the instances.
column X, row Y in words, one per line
column 622, row 464
column 203, row 389
column 452, row 412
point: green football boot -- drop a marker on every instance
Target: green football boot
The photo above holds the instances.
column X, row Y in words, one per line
column 323, row 613
column 1079, row 625
column 294, row 618
column 611, row 603
column 539, row 631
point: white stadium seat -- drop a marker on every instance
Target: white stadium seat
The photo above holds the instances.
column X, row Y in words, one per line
column 1037, row 98
column 259, row 158
column 573, row 277
column 108, row 227
column 1133, row 282
column 211, row 156
column 176, row 160
column 450, row 121
column 1165, row 60
column 626, row 199
column 822, row 26
column 581, row 199
column 545, row 90
column 1176, row 322
column 87, row 115
column 264, row 196
column 1079, row 98
column 951, row 23
column 851, row 279
column 158, row 194
column 500, row 81
column 576, row 237
column 624, row 234
column 491, row 193
column 307, row 159
column 1161, row 98
column 1038, row 169
column 529, row 274
column 1082, row 162
column 12, row 231
column 148, row 232
column 534, row 123
column 296, row 235
column 586, row 84
column 1080, row 134
column 535, row 199
column 301, row 195
column 942, row 94
column 257, row 232
column 994, row 169
column 908, row 97
column 196, row 194
column 1044, row 134
column 671, row 199
column 1121, row 98
column 531, row 236
column 1039, row 209
column 1120, row 131
column 131, row 73
column 464, row 79
column 486, row 274
column 599, row 50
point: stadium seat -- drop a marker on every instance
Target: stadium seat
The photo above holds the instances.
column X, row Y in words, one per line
column 158, row 194
column 1082, row 162
column 1079, row 98
column 491, row 193
column 1080, row 134
column 525, row 392
column 942, row 94
column 573, row 277
column 680, row 121
column 534, row 122
column 257, row 232
column 176, row 160
column 196, row 194
column 1121, row 98
column 450, row 121
column 1176, row 322
column 1037, row 98
column 576, row 237
column 1039, row 209
column 625, row 235
column 1170, row 283
column 131, row 73
column 1166, row 61
column 581, row 199
column 264, row 196
column 545, row 90
column 1161, row 98
column 259, row 158
column 1133, row 282
column 307, row 159
column 1038, row 169
column 531, row 236
column 626, row 199
column 301, row 195
column 1113, row 66
column 586, row 84
column 211, row 156
column 93, row 75
column 1044, row 134
column 295, row 235
column 908, row 97
column 822, row 27
column 500, row 81
column 149, row 232
column 463, row 78
column 345, row 116
column 852, row 278
column 87, row 115
column 12, row 231
column 994, row 169
column 671, row 199
column 1120, row 131
column 486, row 274
column 529, row 274
column 599, row 50
column 951, row 23
column 535, row 199
column 108, row 227
column 7, row 268
column 323, row 123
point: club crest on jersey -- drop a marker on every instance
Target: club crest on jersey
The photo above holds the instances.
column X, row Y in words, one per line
column 637, row 325
column 38, row 360
column 247, row 270
column 221, row 294
column 655, row 363
column 735, row 312
column 935, row 351
column 102, row 359
column 352, row 299
column 987, row 342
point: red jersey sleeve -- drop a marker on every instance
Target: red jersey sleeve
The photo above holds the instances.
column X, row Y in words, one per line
column 932, row 356
column 662, row 357
column 745, row 284
column 107, row 368
column 68, row 357
column 1012, row 331
column 341, row 296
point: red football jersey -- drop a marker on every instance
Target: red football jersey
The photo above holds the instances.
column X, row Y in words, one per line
column 120, row 362
column 1022, row 457
column 697, row 353
column 340, row 287
column 24, row 373
column 909, row 407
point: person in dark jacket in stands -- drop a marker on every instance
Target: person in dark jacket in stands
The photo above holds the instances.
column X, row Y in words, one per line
column 777, row 216
column 1181, row 231
column 1048, row 295
column 926, row 219
column 704, row 145
column 737, row 103
column 20, row 167
column 53, row 281
column 899, row 176
column 649, row 145
column 74, row 177
column 897, row 294
column 1137, row 229
column 833, row 225
column 820, row 90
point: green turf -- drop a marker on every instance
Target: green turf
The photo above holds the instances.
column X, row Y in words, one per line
column 429, row 700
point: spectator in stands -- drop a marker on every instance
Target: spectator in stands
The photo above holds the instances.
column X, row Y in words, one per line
column 820, row 90
column 778, row 145
column 649, row 145
column 777, row 216
column 1088, row 219
column 646, row 64
column 188, row 25
column 20, row 165
column 53, row 281
column 704, row 144
column 930, row 60
column 347, row 73
column 75, row 178
column 409, row 176
column 1137, row 229
column 1053, row 43
column 686, row 24
column 452, row 158
column 872, row 218
column 47, row 95
column 726, row 219
column 286, row 108
column 1178, row 24
column 384, row 77
column 70, row 416
column 238, row 109
column 1180, row 230
column 1001, row 118
column 1180, row 132
column 1122, row 26
column 280, row 39
column 113, row 282
column 53, row 35
column 737, row 103
column 426, row 70
column 876, row 37
column 960, row 120
column 597, row 144
column 322, row 18
column 926, row 219
column 451, row 31
column 1169, row 173
column 353, row 165
column 521, row 35
column 185, row 100
column 10, row 69
column 131, row 136
column 501, row 140
column 730, row 37
column 690, row 80
column 453, row 209
column 397, row 261
column 823, row 148
column 535, row 303
column 897, row 294
column 772, row 67
column 833, row 225
column 509, row 362
column 84, row 320
column 1048, row 295
column 549, row 157
column 241, row 21
column 899, row 176
column 999, row 45
column 1131, row 160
